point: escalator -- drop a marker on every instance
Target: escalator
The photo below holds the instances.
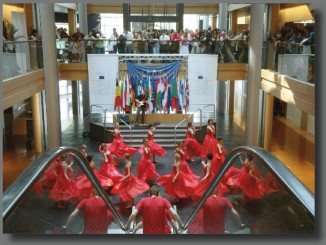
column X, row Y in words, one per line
column 287, row 208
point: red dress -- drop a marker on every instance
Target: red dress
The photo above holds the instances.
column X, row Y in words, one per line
column 119, row 148
column 85, row 186
column 155, row 148
column 271, row 184
column 64, row 189
column 146, row 168
column 130, row 187
column 251, row 188
column 193, row 147
column 184, row 165
column 108, row 169
column 203, row 185
column 183, row 187
column 209, row 143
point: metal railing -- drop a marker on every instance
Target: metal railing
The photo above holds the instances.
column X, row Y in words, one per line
column 129, row 129
column 175, row 129
column 301, row 193
column 16, row 191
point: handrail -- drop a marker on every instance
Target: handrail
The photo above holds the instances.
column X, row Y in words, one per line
column 16, row 191
column 288, row 179
column 104, row 123
column 194, row 113
column 175, row 130
column 94, row 105
column 128, row 127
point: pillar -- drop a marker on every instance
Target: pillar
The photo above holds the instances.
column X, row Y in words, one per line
column 268, row 121
column 82, row 13
column 223, row 16
column 37, row 128
column 85, row 95
column 51, row 76
column 254, row 74
column 231, row 98
column 71, row 21
column 75, row 97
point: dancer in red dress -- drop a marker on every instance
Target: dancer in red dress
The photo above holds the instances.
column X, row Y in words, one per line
column 209, row 143
column 183, row 164
column 194, row 149
column 129, row 186
column 104, row 151
column 109, row 169
column 64, row 188
column 178, row 184
column 250, row 180
column 208, row 176
column 146, row 168
column 156, row 149
column 85, row 186
column 118, row 147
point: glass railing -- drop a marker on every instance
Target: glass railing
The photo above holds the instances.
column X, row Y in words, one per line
column 76, row 51
column 281, row 203
column 290, row 59
column 45, row 194
column 21, row 57
column 276, row 203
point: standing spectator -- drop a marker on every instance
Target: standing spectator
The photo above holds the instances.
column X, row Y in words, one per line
column 128, row 36
column 164, row 44
column 156, row 44
column 184, row 49
column 89, row 43
column 153, row 209
column 112, row 45
column 310, row 40
column 64, row 34
column 99, row 45
column 97, row 217
column 214, row 210
column 121, row 44
column 58, row 33
column 78, row 35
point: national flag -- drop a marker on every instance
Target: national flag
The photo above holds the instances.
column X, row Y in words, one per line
column 132, row 93
column 165, row 94
column 187, row 94
column 159, row 91
column 181, row 93
column 174, row 94
column 127, row 94
column 117, row 100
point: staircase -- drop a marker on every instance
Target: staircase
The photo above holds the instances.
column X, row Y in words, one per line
column 165, row 135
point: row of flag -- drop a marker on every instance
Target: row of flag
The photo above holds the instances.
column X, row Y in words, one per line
column 164, row 92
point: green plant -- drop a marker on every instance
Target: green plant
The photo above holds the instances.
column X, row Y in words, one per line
column 11, row 31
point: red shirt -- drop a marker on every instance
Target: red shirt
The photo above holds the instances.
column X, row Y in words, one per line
column 97, row 217
column 154, row 218
column 214, row 214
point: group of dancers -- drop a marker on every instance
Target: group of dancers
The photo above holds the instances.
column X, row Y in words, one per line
column 64, row 185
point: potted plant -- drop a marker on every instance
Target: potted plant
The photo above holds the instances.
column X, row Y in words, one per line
column 11, row 31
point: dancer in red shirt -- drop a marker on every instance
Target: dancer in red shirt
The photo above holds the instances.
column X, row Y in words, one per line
column 97, row 216
column 153, row 209
column 129, row 186
column 146, row 168
column 214, row 211
column 194, row 149
column 178, row 184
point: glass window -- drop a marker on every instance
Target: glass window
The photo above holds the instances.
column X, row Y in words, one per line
column 110, row 21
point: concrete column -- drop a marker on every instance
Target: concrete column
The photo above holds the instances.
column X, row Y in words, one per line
column 37, row 129
column 254, row 74
column 223, row 16
column 82, row 13
column 268, row 121
column 71, row 21
column 86, row 103
column 221, row 97
column 51, row 76
column 231, row 99
column 75, row 97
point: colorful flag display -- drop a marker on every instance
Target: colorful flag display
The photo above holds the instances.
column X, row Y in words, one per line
column 164, row 89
